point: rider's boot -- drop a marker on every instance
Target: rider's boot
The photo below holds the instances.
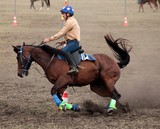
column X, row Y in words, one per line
column 71, row 62
column 73, row 69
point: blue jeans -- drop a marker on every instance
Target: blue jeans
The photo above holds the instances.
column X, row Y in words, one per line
column 71, row 46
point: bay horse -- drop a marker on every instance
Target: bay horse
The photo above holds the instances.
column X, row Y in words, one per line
column 101, row 74
column 142, row 2
column 42, row 4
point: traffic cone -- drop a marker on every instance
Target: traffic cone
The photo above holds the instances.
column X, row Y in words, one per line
column 125, row 21
column 14, row 21
column 65, row 96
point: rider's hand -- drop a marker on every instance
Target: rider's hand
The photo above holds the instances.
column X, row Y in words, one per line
column 62, row 43
column 46, row 40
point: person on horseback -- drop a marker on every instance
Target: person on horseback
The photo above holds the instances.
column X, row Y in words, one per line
column 71, row 33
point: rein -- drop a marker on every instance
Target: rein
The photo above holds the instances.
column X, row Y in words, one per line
column 49, row 64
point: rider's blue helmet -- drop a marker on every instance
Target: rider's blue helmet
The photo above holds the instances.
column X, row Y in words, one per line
column 67, row 9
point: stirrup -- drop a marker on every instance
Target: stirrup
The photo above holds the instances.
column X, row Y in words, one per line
column 73, row 71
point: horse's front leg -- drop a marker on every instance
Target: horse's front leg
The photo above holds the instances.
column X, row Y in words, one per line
column 56, row 95
column 141, row 8
column 56, row 92
column 42, row 5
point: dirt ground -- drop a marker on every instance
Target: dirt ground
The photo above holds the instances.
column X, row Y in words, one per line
column 27, row 104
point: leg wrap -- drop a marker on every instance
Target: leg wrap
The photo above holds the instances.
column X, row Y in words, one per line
column 56, row 99
column 112, row 104
column 60, row 103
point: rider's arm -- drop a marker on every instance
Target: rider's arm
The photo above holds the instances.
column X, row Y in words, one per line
column 67, row 27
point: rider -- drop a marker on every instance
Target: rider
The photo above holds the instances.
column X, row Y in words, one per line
column 71, row 33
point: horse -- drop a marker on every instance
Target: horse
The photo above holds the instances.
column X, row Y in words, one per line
column 159, row 2
column 101, row 74
column 142, row 2
column 42, row 2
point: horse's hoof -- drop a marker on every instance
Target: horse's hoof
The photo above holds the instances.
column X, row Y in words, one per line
column 126, row 108
column 76, row 108
column 63, row 108
column 110, row 111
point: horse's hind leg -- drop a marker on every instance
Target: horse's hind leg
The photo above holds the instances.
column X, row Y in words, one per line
column 109, row 82
column 155, row 5
column 115, row 96
column 32, row 4
column 151, row 6
column 42, row 4
column 47, row 3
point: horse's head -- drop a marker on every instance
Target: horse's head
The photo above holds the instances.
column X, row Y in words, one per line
column 23, row 59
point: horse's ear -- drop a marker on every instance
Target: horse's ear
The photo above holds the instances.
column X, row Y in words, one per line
column 15, row 48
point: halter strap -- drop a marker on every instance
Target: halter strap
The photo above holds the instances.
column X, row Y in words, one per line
column 28, row 61
column 29, row 58
column 21, row 50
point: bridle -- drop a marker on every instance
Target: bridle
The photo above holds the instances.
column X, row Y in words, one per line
column 25, row 63
column 25, row 66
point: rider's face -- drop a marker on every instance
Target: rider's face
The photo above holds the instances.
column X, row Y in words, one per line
column 64, row 15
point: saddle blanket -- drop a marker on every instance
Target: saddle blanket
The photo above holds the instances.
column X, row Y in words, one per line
column 83, row 57
column 87, row 57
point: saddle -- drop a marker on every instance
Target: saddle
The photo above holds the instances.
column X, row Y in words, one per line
column 78, row 55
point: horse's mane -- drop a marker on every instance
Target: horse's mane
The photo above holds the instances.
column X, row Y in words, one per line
column 50, row 50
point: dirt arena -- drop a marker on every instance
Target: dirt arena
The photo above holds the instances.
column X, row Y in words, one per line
column 27, row 104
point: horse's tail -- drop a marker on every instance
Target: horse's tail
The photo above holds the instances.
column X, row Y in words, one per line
column 120, row 49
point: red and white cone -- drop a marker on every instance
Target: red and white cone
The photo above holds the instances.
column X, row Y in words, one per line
column 125, row 21
column 65, row 96
column 14, row 21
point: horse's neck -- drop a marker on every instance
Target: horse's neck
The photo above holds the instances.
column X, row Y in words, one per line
column 41, row 58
